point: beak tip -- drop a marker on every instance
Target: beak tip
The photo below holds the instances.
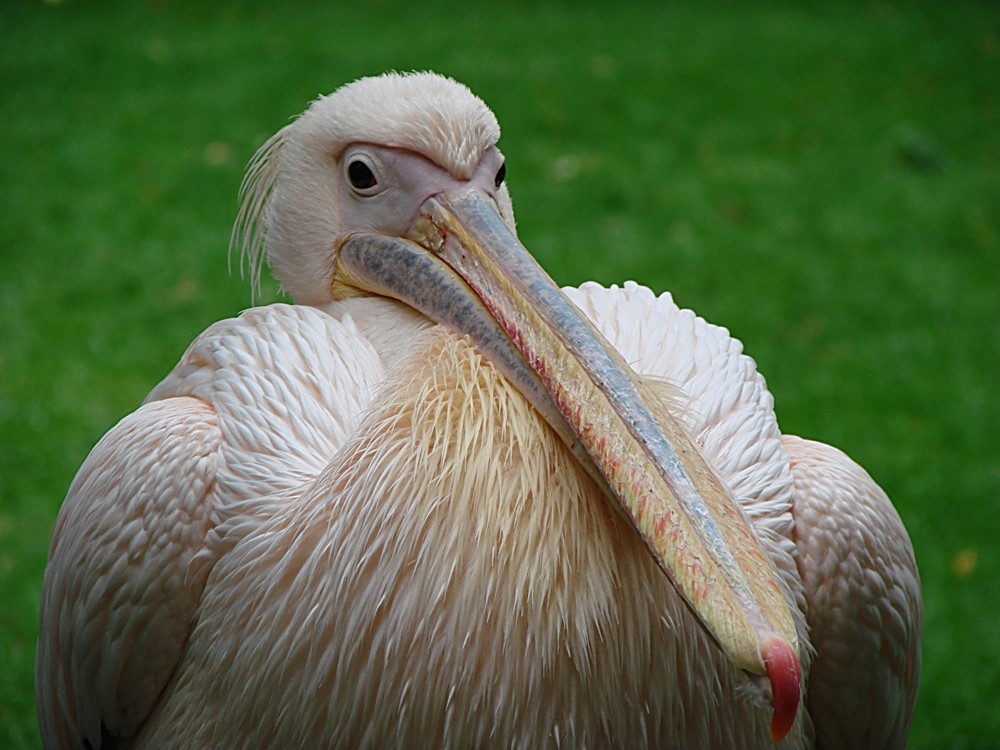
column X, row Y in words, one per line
column 785, row 676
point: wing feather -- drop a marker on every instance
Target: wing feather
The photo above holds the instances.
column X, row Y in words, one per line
column 126, row 569
column 863, row 594
column 257, row 406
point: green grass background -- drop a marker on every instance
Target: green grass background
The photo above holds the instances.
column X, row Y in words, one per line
column 822, row 178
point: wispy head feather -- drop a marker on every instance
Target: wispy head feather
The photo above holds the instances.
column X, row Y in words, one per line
column 255, row 189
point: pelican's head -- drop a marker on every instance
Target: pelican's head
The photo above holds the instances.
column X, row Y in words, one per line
column 394, row 186
column 363, row 159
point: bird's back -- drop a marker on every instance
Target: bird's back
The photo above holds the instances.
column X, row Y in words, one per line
column 383, row 547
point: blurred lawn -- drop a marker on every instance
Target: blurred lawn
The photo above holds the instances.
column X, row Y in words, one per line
column 823, row 179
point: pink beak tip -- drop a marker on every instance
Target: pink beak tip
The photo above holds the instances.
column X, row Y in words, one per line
column 785, row 676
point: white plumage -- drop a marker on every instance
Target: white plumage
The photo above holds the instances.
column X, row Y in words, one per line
column 337, row 525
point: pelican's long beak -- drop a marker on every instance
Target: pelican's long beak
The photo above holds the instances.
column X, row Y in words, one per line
column 463, row 267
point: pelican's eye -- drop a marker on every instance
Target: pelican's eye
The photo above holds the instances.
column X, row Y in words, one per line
column 361, row 176
column 501, row 174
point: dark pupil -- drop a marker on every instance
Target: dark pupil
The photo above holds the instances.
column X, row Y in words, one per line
column 501, row 174
column 360, row 175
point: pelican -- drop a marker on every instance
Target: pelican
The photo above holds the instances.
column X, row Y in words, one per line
column 441, row 502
